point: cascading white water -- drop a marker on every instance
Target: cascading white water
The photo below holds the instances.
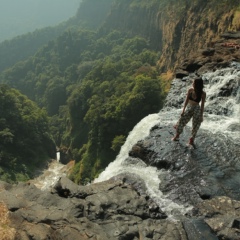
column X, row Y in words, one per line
column 50, row 176
column 58, row 156
column 149, row 174
column 216, row 122
column 212, row 122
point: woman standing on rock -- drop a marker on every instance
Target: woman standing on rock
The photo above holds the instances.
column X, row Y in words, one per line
column 195, row 95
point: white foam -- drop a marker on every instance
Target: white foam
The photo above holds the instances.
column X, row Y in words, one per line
column 50, row 176
column 222, row 123
column 140, row 131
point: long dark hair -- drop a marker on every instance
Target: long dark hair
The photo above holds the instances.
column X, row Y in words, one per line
column 198, row 87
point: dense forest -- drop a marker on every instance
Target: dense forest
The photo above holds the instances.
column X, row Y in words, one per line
column 25, row 142
column 94, row 90
column 94, row 81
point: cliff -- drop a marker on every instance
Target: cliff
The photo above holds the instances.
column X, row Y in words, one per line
column 175, row 29
column 178, row 28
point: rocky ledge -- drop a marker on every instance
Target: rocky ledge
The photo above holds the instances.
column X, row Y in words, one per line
column 218, row 55
column 111, row 210
column 207, row 178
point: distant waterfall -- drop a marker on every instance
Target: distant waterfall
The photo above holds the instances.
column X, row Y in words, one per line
column 58, row 156
column 220, row 116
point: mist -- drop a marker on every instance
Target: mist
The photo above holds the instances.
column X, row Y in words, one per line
column 22, row 16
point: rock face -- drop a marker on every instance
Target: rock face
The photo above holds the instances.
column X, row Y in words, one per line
column 207, row 178
column 179, row 30
column 218, row 55
column 109, row 210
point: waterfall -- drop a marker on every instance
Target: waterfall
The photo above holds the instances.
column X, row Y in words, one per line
column 225, row 114
column 50, row 176
column 222, row 115
column 149, row 174
column 58, row 156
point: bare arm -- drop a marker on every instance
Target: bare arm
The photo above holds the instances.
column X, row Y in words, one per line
column 186, row 101
column 203, row 104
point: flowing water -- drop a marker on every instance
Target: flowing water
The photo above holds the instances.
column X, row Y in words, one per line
column 150, row 175
column 50, row 176
column 222, row 115
column 226, row 117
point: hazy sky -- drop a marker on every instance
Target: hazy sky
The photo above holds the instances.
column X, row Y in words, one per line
column 21, row 16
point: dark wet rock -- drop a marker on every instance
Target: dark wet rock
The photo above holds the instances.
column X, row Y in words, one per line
column 193, row 174
column 198, row 229
column 181, row 73
column 110, row 210
column 229, row 89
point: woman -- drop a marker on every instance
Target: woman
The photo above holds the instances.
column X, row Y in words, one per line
column 195, row 95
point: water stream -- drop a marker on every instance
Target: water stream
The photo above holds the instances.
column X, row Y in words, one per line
column 50, row 176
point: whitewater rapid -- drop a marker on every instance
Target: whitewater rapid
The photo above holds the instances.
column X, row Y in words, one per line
column 214, row 122
column 49, row 177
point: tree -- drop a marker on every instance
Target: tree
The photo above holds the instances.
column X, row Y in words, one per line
column 24, row 133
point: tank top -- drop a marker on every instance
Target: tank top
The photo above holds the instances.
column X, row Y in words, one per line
column 198, row 99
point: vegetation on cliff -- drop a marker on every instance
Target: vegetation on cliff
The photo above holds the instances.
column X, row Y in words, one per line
column 95, row 89
column 25, row 143
column 176, row 28
column 21, row 47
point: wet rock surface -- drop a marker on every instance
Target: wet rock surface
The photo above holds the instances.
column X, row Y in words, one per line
column 109, row 210
column 206, row 177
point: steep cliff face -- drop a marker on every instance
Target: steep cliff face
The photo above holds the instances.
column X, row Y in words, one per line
column 176, row 28
column 194, row 28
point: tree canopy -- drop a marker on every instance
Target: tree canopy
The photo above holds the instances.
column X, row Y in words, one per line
column 25, row 142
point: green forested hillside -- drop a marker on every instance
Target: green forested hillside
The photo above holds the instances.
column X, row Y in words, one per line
column 95, row 90
column 21, row 47
column 25, row 142
column 97, row 81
